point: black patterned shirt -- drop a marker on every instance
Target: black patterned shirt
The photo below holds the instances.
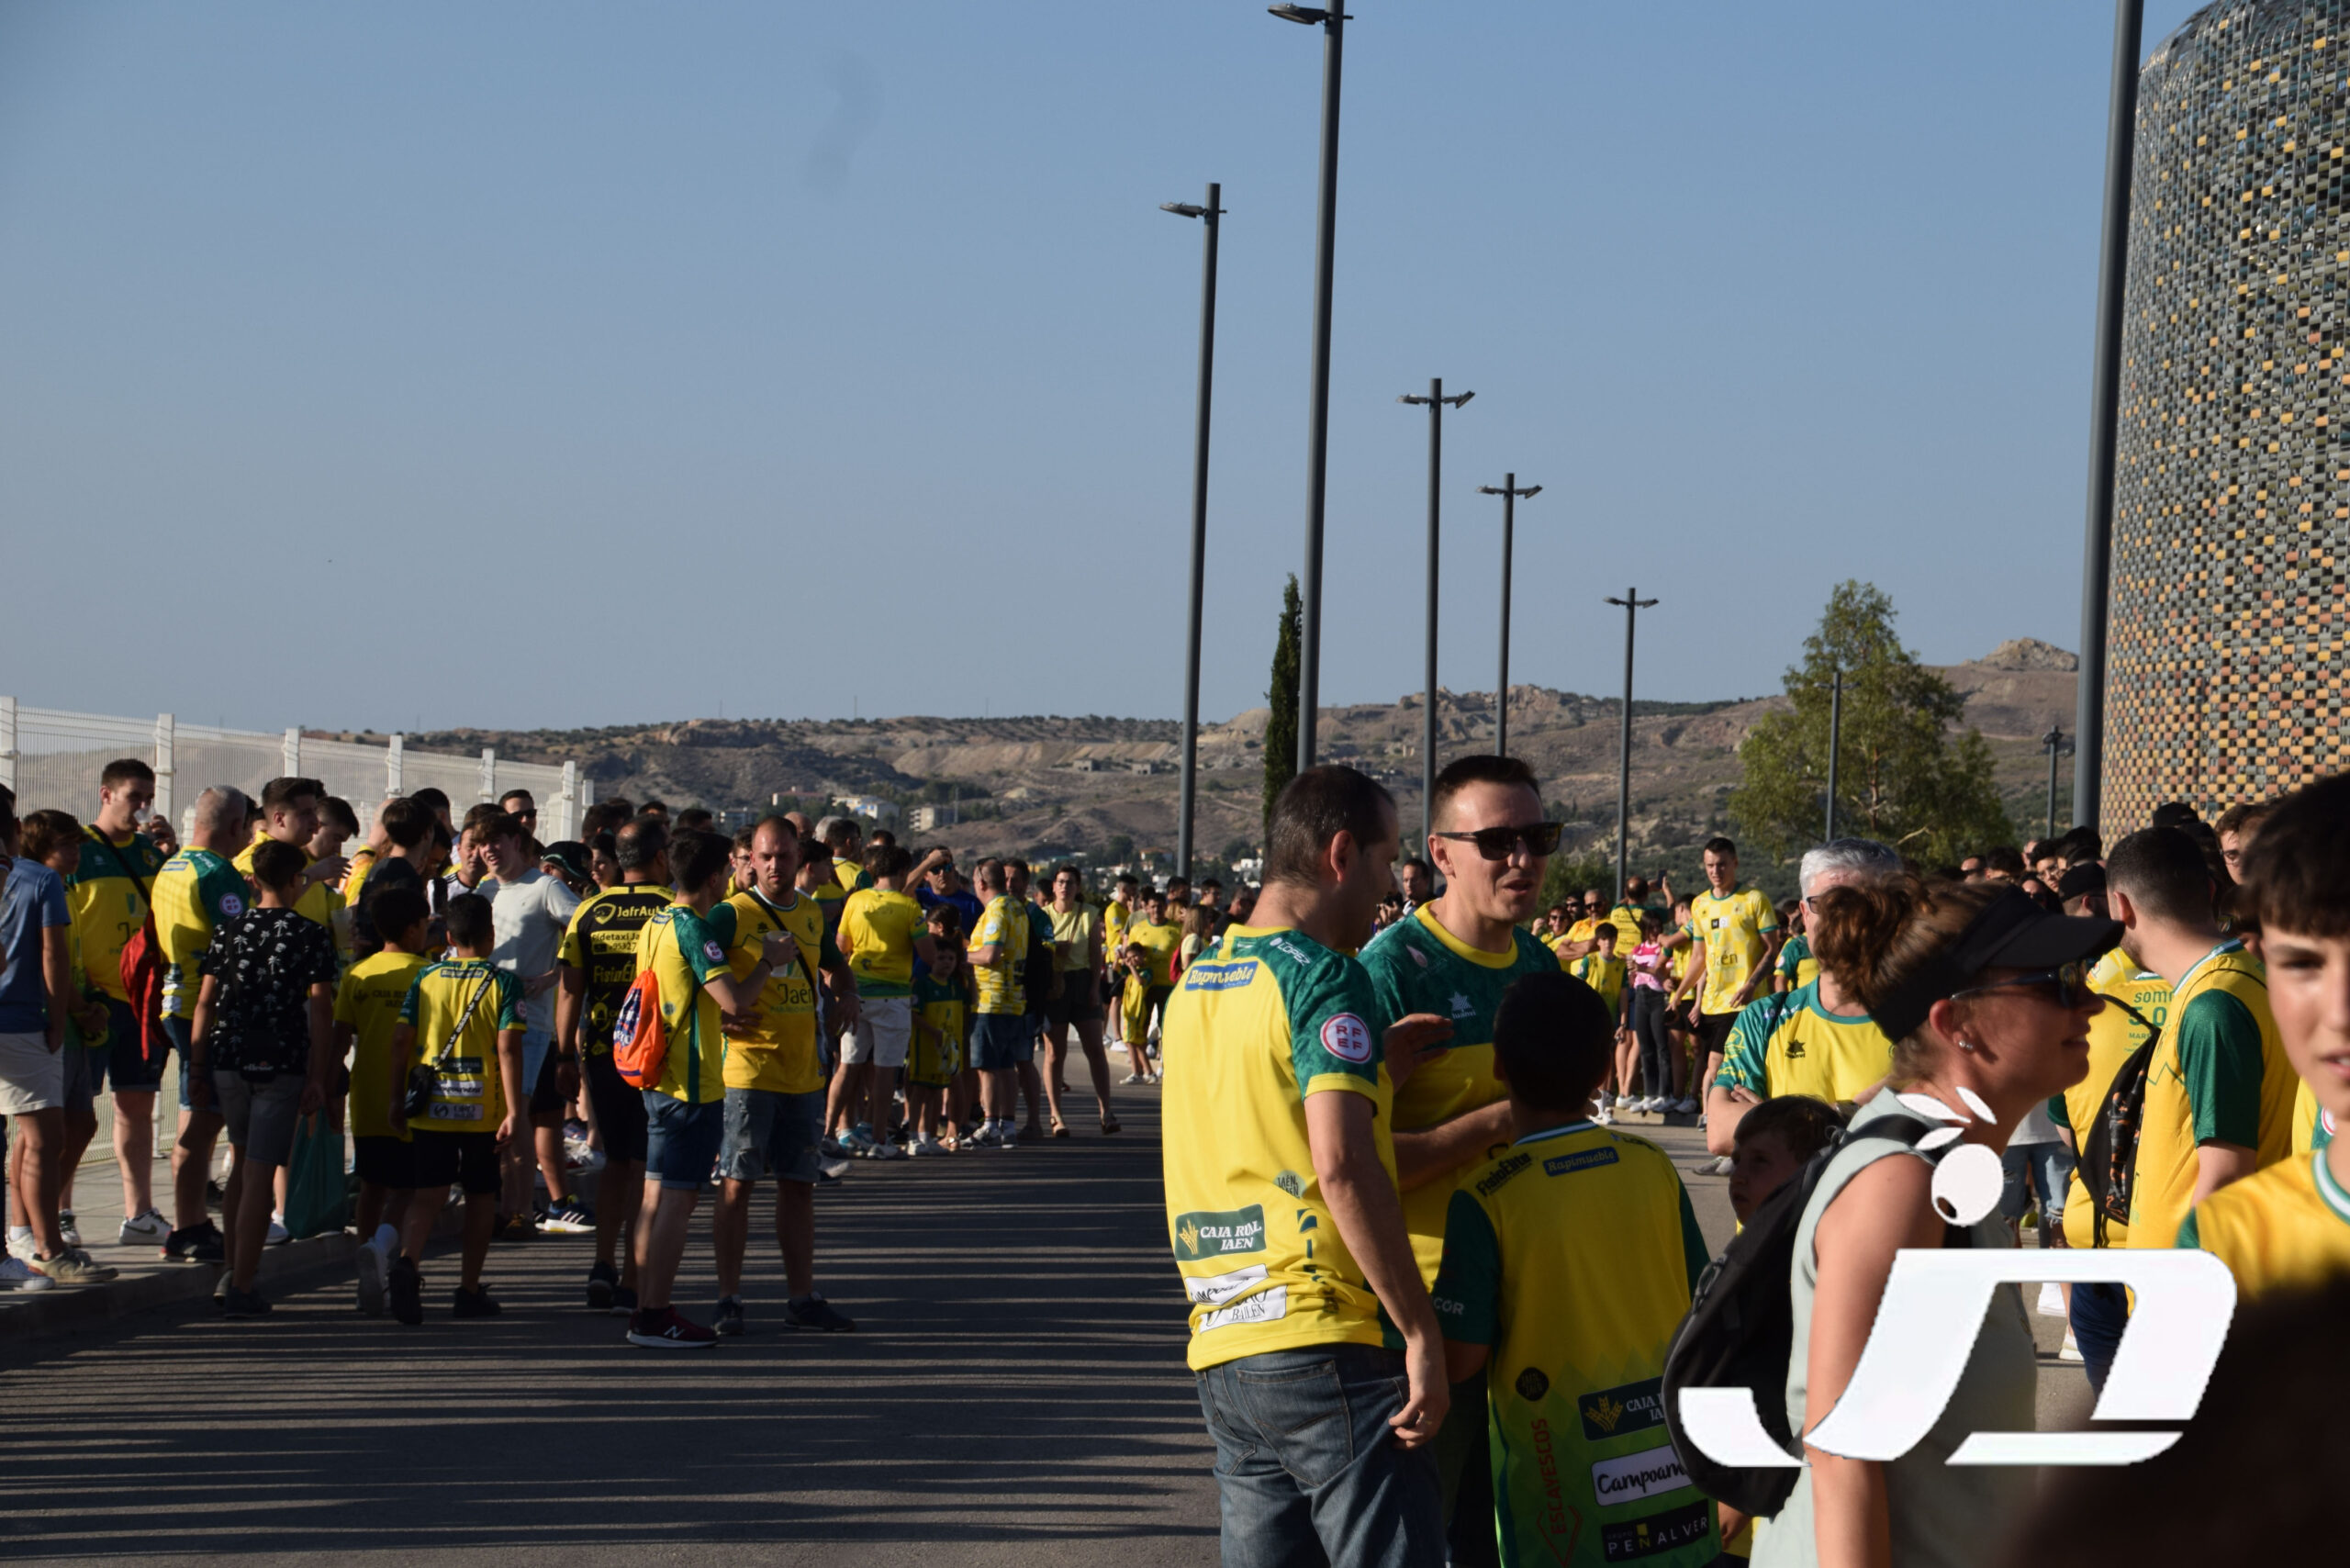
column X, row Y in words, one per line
column 266, row 961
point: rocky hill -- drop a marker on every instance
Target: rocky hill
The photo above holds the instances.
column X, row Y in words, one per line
column 1105, row 786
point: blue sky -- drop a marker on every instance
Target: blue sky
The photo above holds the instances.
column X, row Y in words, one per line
column 594, row 364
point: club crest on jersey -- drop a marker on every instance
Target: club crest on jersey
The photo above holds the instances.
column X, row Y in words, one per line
column 1347, row 1037
column 713, row 952
column 231, row 905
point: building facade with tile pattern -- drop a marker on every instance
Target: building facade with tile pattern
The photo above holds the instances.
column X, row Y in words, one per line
column 2231, row 521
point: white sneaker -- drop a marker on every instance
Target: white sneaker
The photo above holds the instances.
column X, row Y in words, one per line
column 278, row 1234
column 148, row 1227
column 67, row 1228
column 1603, row 1118
column 16, row 1274
column 887, row 1151
column 21, row 1240
column 921, row 1147
column 2052, row 1300
column 833, row 1165
column 1134, row 1078
column 2071, row 1349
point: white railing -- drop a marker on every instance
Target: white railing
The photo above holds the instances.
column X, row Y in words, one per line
column 52, row 758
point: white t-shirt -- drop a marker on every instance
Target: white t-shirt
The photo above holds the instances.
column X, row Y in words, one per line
column 530, row 915
column 2037, row 1126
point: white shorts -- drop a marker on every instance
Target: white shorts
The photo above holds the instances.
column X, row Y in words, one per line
column 32, row 1077
column 885, row 1026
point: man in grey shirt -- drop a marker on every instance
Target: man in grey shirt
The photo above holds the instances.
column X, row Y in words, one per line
column 530, row 911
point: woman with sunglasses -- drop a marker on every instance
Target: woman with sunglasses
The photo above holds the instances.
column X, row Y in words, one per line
column 1985, row 997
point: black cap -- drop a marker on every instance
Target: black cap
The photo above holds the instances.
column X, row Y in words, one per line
column 569, row 854
column 2080, row 882
column 2013, row 933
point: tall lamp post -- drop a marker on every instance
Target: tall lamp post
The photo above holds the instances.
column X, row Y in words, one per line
column 1209, row 214
column 1436, row 400
column 1317, row 435
column 2105, row 411
column 1835, row 741
column 1633, row 604
column 2057, row 746
column 1509, row 493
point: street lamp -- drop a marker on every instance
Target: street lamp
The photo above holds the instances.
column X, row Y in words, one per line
column 1210, row 213
column 1835, row 741
column 1436, row 400
column 1633, row 604
column 1509, row 493
column 1317, row 437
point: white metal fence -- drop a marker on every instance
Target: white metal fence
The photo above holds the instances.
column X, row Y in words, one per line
column 53, row 758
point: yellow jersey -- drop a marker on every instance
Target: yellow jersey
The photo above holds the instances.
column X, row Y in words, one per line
column 1790, row 1044
column 2114, row 1037
column 1159, row 944
column 2218, row 1074
column 878, row 933
column 2284, row 1226
column 1625, row 919
column 458, row 1010
column 1605, row 976
column 1004, row 926
column 318, row 903
column 935, row 1054
column 778, row 1051
column 601, row 943
column 1735, row 930
column 370, row 1000
column 107, row 895
column 683, row 949
column 195, row 893
column 1797, row 966
column 1264, row 1019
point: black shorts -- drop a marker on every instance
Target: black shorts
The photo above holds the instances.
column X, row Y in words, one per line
column 1713, row 1031
column 545, row 1098
column 1079, row 1003
column 619, row 1109
column 384, row 1162
column 468, row 1160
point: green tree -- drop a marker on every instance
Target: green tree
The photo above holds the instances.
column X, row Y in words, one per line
column 1280, row 729
column 1904, row 774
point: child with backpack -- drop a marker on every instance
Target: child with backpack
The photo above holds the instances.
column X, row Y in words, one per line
column 1569, row 1260
column 2289, row 1225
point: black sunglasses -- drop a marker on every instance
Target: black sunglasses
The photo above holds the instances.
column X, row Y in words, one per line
column 2069, row 984
column 1495, row 842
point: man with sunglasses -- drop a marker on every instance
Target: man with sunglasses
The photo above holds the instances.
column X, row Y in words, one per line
column 1454, row 956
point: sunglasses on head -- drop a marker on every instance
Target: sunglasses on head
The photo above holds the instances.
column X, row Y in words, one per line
column 2069, row 984
column 1495, row 842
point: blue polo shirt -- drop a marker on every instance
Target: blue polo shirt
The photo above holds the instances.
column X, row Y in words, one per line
column 32, row 900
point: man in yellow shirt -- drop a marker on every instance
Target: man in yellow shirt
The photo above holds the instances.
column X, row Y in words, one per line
column 109, row 895
column 1733, row 935
column 290, row 814
column 884, row 937
column 1001, row 1043
column 197, row 892
column 775, row 1083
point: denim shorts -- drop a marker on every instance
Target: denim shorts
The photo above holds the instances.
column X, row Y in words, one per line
column 771, row 1134
column 181, row 1030
column 1001, row 1042
column 681, row 1140
column 535, row 1044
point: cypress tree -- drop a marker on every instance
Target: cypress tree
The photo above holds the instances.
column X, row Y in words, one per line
column 1280, row 729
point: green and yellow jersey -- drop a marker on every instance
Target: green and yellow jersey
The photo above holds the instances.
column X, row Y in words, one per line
column 601, row 943
column 1574, row 1254
column 1004, row 926
column 2312, row 1129
column 878, row 931
column 1160, row 944
column 195, row 893
column 1418, row 965
column 1790, row 1044
column 935, row 1054
column 1605, row 976
column 778, row 1051
column 470, row 1094
column 1735, row 930
column 2285, row 1227
column 1625, row 919
column 318, row 903
column 683, row 949
column 1115, row 918
column 1264, row 1019
column 370, row 998
column 107, row 895
column 2114, row 1036
column 2218, row 1074
column 1797, row 966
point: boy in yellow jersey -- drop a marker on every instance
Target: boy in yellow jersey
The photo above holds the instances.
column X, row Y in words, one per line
column 1117, row 917
column 941, row 1002
column 886, row 939
column 1149, row 955
column 2289, row 1225
column 109, row 896
column 684, row 946
column 1602, row 970
column 1733, row 935
column 1569, row 1261
column 1282, row 1209
column 1000, row 1044
column 367, row 1008
column 2219, row 1096
column 197, row 892
column 461, row 1018
column 775, row 1084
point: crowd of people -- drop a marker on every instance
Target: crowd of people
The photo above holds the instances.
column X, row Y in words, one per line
column 449, row 995
column 1434, row 1274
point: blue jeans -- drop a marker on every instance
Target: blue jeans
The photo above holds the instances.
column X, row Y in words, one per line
column 2100, row 1312
column 2040, row 1171
column 1307, row 1468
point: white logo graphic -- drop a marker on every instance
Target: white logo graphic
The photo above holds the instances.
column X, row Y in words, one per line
column 1262, row 1308
column 1633, row 1476
column 1215, row 1290
column 1463, row 1007
column 1933, row 1307
column 1347, row 1037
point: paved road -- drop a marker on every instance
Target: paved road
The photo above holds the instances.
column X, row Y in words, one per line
column 1016, row 1394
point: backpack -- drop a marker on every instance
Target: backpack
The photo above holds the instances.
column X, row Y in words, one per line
column 1740, row 1328
column 2108, row 1163
column 640, row 1038
column 141, row 964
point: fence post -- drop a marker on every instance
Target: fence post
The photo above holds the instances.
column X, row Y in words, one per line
column 163, row 769
column 8, row 742
column 294, row 751
column 392, row 768
column 567, row 814
column 488, row 774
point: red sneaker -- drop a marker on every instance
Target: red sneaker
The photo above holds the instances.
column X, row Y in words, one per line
column 665, row 1330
